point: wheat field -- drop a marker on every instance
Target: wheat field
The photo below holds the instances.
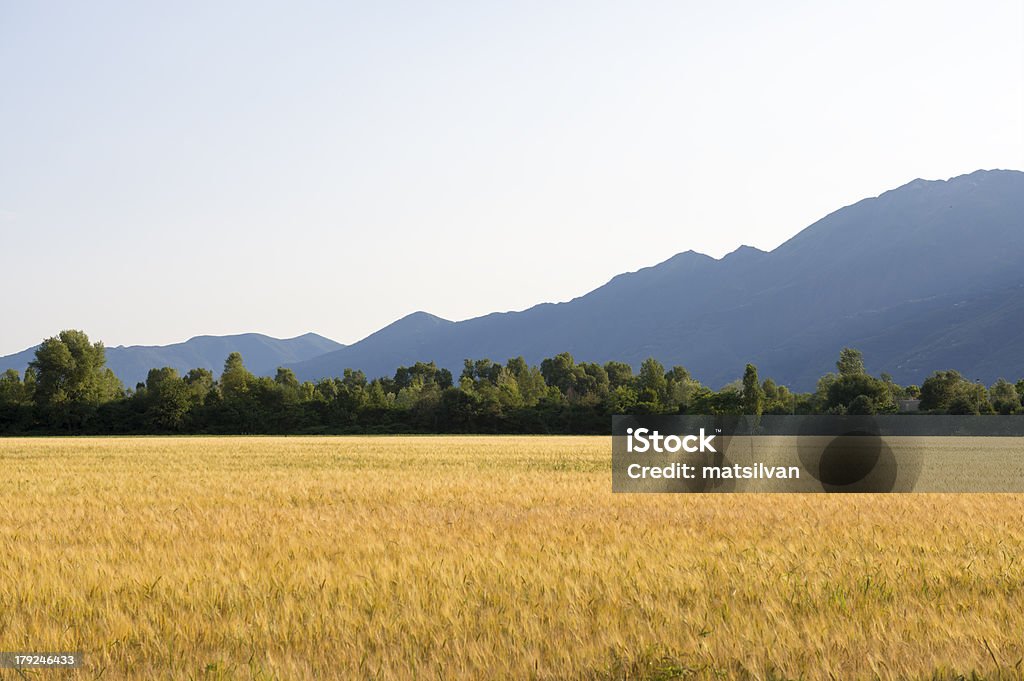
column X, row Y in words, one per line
column 483, row 557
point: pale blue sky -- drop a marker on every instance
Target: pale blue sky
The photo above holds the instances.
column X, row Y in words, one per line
column 172, row 169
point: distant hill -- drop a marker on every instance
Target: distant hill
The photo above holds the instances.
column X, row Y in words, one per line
column 926, row 276
column 262, row 354
column 923, row 277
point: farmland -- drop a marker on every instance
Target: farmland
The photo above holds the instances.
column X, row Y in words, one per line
column 483, row 557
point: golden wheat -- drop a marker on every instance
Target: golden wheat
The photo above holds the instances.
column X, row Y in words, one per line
column 483, row 557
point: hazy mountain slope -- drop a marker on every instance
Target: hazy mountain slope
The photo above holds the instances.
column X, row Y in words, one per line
column 18, row 360
column 262, row 354
column 921, row 277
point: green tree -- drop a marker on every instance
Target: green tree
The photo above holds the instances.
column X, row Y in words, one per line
column 507, row 389
column 591, row 383
column 777, row 398
column 940, row 389
column 619, row 374
column 681, row 387
column 71, row 380
column 652, row 386
column 286, row 379
column 425, row 373
column 838, row 392
column 622, row 400
column 861, row 405
column 529, row 380
column 847, row 388
column 850, row 363
column 12, row 390
column 70, row 369
column 896, row 392
column 753, row 395
column 235, row 380
column 168, row 399
column 1004, row 397
column 377, row 396
column 971, row 398
column 15, row 402
column 480, row 371
column 728, row 400
column 819, row 400
column 200, row 383
column 561, row 372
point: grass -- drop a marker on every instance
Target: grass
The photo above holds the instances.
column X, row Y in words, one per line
column 483, row 557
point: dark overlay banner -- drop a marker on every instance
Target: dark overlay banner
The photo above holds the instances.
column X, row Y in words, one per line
column 885, row 453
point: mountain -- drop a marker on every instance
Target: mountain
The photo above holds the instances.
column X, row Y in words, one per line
column 411, row 338
column 923, row 277
column 262, row 354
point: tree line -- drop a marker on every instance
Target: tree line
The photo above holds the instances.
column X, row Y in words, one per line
column 68, row 389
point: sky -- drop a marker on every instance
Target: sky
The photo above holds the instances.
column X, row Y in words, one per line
column 176, row 169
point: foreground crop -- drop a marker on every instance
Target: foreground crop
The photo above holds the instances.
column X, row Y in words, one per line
column 470, row 557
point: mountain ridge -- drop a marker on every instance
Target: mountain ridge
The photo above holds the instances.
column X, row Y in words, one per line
column 820, row 290
column 911, row 276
